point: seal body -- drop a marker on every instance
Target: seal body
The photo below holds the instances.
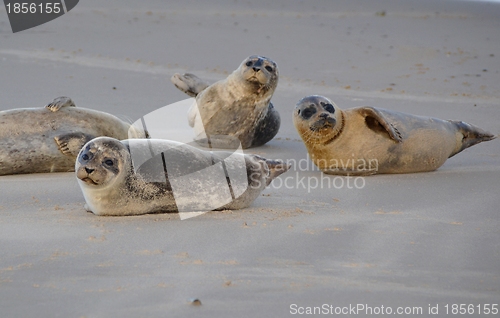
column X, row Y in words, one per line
column 140, row 176
column 368, row 140
column 48, row 139
column 237, row 107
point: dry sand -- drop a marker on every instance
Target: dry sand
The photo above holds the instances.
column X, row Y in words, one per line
column 402, row 240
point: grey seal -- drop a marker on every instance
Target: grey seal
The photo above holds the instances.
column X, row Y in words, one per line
column 48, row 139
column 369, row 140
column 238, row 106
column 140, row 176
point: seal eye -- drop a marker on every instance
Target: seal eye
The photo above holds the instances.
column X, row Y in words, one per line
column 86, row 156
column 329, row 108
column 308, row 112
column 249, row 63
column 109, row 162
column 269, row 68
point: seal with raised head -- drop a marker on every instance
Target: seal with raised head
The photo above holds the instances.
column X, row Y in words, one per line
column 238, row 106
column 369, row 140
column 140, row 176
column 48, row 139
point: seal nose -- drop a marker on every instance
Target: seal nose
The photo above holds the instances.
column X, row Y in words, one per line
column 89, row 171
column 257, row 65
column 324, row 115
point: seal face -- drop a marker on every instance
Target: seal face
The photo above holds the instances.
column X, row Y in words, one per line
column 369, row 140
column 100, row 164
column 324, row 117
column 238, row 106
column 35, row 140
column 140, row 176
column 259, row 75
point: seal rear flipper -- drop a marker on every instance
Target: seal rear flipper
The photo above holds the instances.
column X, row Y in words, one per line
column 472, row 135
column 376, row 121
column 276, row 168
column 60, row 102
column 189, row 83
column 71, row 143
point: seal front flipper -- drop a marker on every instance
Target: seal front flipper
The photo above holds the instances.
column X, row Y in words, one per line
column 71, row 143
column 60, row 102
column 189, row 83
column 376, row 121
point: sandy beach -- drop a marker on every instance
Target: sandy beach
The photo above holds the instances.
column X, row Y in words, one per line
column 412, row 244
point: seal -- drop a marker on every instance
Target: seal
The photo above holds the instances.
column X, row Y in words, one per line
column 369, row 140
column 48, row 139
column 140, row 176
column 239, row 106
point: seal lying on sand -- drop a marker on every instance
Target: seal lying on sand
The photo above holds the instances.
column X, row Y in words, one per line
column 48, row 139
column 368, row 140
column 238, row 106
column 140, row 176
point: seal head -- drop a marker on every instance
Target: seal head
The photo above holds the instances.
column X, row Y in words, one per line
column 259, row 75
column 101, row 161
column 318, row 119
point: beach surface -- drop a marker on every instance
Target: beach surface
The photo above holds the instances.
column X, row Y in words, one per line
column 405, row 242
